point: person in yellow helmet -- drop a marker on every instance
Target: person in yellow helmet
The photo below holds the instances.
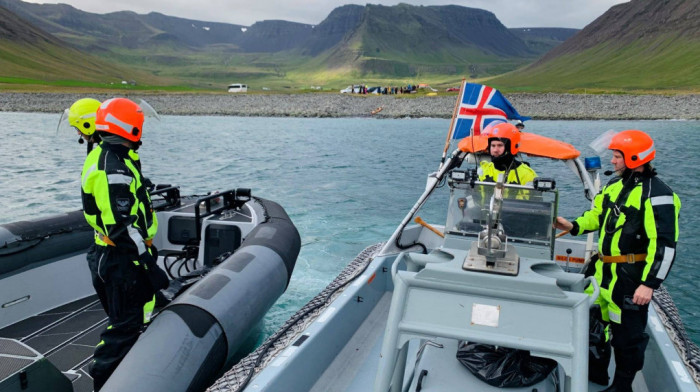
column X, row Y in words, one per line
column 81, row 117
column 117, row 204
column 636, row 216
column 504, row 145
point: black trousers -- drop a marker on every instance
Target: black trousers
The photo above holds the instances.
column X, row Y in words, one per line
column 629, row 339
column 123, row 289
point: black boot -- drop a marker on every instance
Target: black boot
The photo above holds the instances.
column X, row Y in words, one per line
column 621, row 383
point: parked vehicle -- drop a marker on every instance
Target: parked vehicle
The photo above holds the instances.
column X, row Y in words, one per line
column 351, row 89
column 238, row 88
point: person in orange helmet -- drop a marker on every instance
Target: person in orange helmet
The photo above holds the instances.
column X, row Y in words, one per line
column 636, row 216
column 503, row 146
column 117, row 204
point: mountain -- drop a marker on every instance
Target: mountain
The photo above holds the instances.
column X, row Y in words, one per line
column 31, row 55
column 642, row 45
column 408, row 41
column 125, row 28
column 371, row 41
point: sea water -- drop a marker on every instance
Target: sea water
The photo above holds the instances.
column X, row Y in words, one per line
column 345, row 183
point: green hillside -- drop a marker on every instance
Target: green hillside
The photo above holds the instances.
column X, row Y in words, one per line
column 639, row 46
column 666, row 63
column 30, row 56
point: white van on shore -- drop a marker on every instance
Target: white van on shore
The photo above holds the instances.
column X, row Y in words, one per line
column 237, row 88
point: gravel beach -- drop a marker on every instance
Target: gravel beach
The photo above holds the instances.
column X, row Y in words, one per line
column 537, row 106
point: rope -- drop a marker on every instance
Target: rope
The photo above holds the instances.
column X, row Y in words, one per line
column 668, row 313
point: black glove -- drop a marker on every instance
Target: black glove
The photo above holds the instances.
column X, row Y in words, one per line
column 159, row 280
column 149, row 184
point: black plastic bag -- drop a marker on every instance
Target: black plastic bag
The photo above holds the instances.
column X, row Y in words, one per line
column 504, row 367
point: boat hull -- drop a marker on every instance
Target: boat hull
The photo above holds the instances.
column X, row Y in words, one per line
column 199, row 333
column 240, row 251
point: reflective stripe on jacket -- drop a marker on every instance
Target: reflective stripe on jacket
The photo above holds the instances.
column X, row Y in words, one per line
column 635, row 215
column 116, row 202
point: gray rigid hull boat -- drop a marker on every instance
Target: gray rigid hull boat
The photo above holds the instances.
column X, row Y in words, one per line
column 219, row 250
column 400, row 315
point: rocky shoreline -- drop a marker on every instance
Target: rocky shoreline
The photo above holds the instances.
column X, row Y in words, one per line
column 538, row 106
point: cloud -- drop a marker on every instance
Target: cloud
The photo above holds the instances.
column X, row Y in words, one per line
column 512, row 13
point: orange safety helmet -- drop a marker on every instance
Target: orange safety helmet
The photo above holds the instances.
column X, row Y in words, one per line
column 636, row 146
column 121, row 117
column 504, row 130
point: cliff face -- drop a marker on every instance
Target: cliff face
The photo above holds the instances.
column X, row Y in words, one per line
column 15, row 29
column 337, row 27
column 273, row 36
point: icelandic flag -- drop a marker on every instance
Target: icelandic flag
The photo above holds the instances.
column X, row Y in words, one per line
column 478, row 106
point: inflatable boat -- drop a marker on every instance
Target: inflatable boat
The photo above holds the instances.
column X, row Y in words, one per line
column 229, row 256
column 487, row 299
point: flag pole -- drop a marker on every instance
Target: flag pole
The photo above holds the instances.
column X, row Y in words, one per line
column 454, row 118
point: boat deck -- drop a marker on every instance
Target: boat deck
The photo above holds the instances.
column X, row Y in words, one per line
column 66, row 336
column 355, row 366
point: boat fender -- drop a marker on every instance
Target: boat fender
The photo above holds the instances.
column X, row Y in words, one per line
column 287, row 241
column 59, row 235
column 199, row 333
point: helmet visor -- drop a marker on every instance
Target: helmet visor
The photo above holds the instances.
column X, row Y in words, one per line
column 64, row 125
column 148, row 110
column 601, row 143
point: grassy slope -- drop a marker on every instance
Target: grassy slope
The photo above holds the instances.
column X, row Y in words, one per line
column 667, row 63
column 46, row 64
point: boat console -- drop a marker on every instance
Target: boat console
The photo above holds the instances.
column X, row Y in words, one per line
column 499, row 216
column 493, row 282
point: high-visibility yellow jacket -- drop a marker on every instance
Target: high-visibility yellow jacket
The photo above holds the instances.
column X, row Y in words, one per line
column 116, row 202
column 521, row 175
column 638, row 215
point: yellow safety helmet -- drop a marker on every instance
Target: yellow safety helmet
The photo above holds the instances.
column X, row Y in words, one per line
column 81, row 115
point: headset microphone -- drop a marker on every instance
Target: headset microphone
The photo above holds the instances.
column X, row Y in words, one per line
column 608, row 172
column 81, row 141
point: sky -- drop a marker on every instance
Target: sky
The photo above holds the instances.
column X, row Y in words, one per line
column 512, row 13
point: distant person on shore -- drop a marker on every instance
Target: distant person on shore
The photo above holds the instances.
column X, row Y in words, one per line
column 520, row 125
column 636, row 216
column 503, row 146
column 117, row 204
